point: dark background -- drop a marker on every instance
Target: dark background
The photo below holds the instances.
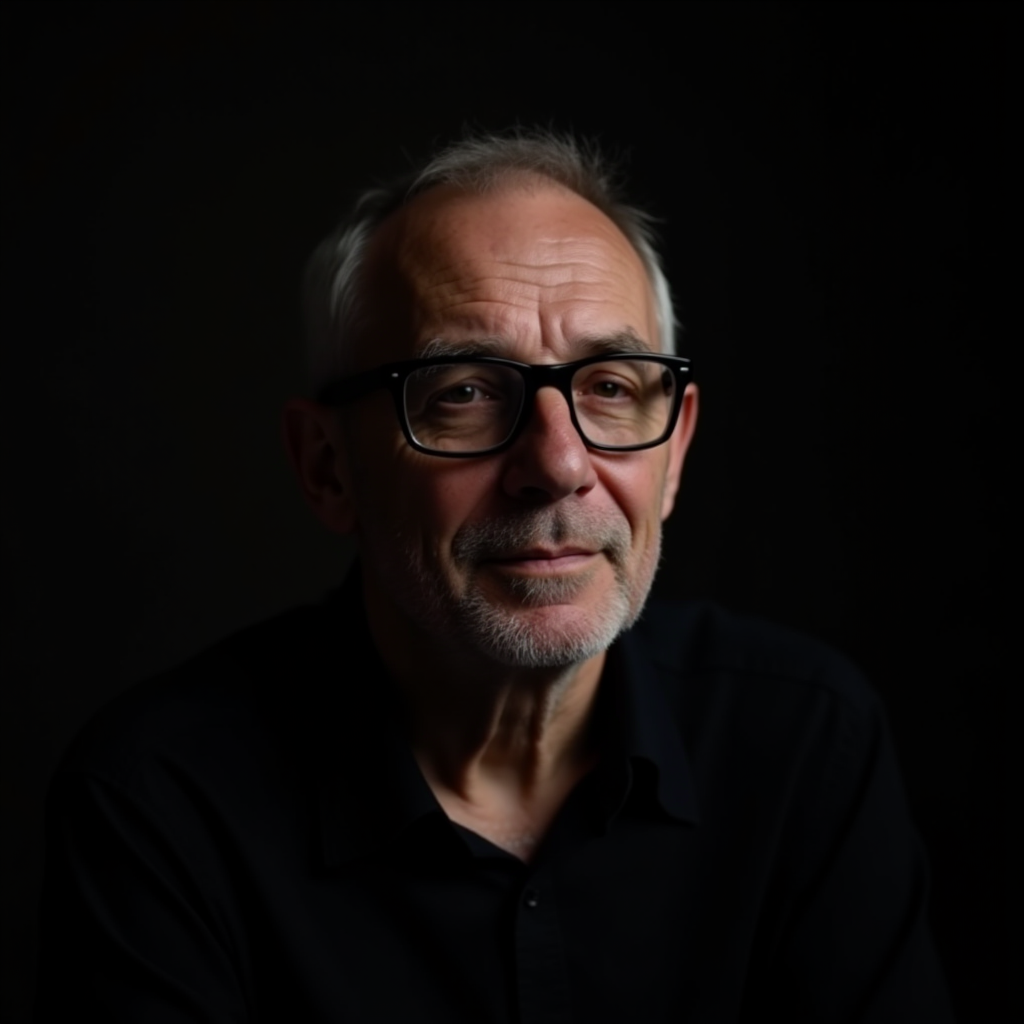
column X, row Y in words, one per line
column 840, row 190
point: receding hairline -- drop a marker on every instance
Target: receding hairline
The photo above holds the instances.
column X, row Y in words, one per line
column 527, row 183
column 392, row 246
column 479, row 164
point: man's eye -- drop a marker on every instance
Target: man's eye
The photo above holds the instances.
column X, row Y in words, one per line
column 463, row 394
column 608, row 389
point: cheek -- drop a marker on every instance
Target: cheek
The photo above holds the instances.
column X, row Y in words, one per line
column 434, row 497
column 636, row 486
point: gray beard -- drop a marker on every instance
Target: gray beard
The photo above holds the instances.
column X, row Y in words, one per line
column 518, row 637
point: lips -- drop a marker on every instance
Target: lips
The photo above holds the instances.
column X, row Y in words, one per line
column 555, row 538
column 545, row 554
column 546, row 562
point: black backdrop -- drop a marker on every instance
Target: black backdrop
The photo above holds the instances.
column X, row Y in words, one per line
column 840, row 190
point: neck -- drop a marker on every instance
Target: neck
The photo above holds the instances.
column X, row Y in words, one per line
column 493, row 740
column 517, row 731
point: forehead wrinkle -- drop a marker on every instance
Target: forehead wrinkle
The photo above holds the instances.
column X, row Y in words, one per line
column 519, row 284
column 544, row 278
column 624, row 341
column 502, row 324
column 576, row 260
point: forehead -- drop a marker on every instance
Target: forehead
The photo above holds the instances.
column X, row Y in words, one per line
column 533, row 270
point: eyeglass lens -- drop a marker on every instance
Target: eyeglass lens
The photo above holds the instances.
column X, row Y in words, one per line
column 468, row 407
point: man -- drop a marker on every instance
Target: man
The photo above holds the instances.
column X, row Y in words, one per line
column 464, row 788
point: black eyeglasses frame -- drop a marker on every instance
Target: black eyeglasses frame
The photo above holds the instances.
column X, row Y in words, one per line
column 392, row 376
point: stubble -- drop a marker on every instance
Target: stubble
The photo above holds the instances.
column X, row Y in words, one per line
column 527, row 621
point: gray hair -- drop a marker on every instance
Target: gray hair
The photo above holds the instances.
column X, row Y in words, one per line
column 479, row 163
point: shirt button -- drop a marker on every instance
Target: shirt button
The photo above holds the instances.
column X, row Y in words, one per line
column 532, row 899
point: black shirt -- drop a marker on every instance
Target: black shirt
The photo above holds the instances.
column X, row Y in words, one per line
column 249, row 838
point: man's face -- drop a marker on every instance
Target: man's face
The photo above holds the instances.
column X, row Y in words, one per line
column 539, row 555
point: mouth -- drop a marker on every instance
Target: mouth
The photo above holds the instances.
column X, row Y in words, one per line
column 546, row 562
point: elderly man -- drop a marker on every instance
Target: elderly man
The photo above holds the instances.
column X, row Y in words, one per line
column 470, row 785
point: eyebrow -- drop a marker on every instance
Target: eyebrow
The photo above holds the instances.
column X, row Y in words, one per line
column 608, row 344
column 588, row 345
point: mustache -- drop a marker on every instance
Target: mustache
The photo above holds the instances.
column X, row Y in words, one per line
column 507, row 535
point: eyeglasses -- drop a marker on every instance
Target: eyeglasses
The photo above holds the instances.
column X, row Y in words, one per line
column 460, row 407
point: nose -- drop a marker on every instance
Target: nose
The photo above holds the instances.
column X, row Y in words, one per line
column 549, row 459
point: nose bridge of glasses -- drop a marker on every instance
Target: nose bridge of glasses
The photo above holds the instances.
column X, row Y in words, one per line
column 539, row 377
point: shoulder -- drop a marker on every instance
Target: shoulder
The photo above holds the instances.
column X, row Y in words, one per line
column 737, row 682
column 703, row 640
column 765, row 713
column 221, row 698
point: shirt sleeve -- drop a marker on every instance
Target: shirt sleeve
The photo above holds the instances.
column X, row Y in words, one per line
column 127, row 934
column 855, row 946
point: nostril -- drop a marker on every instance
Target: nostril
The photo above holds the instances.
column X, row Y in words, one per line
column 537, row 494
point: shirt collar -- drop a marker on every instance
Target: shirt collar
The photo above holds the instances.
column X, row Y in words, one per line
column 646, row 728
column 371, row 790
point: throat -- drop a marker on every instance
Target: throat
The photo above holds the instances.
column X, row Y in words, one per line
column 517, row 834
column 521, row 840
column 510, row 821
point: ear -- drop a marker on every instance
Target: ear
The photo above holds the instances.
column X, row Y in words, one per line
column 314, row 439
column 678, row 445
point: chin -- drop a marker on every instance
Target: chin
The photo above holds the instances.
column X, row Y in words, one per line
column 545, row 636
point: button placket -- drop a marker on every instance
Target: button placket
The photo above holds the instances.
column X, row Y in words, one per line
column 541, row 964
